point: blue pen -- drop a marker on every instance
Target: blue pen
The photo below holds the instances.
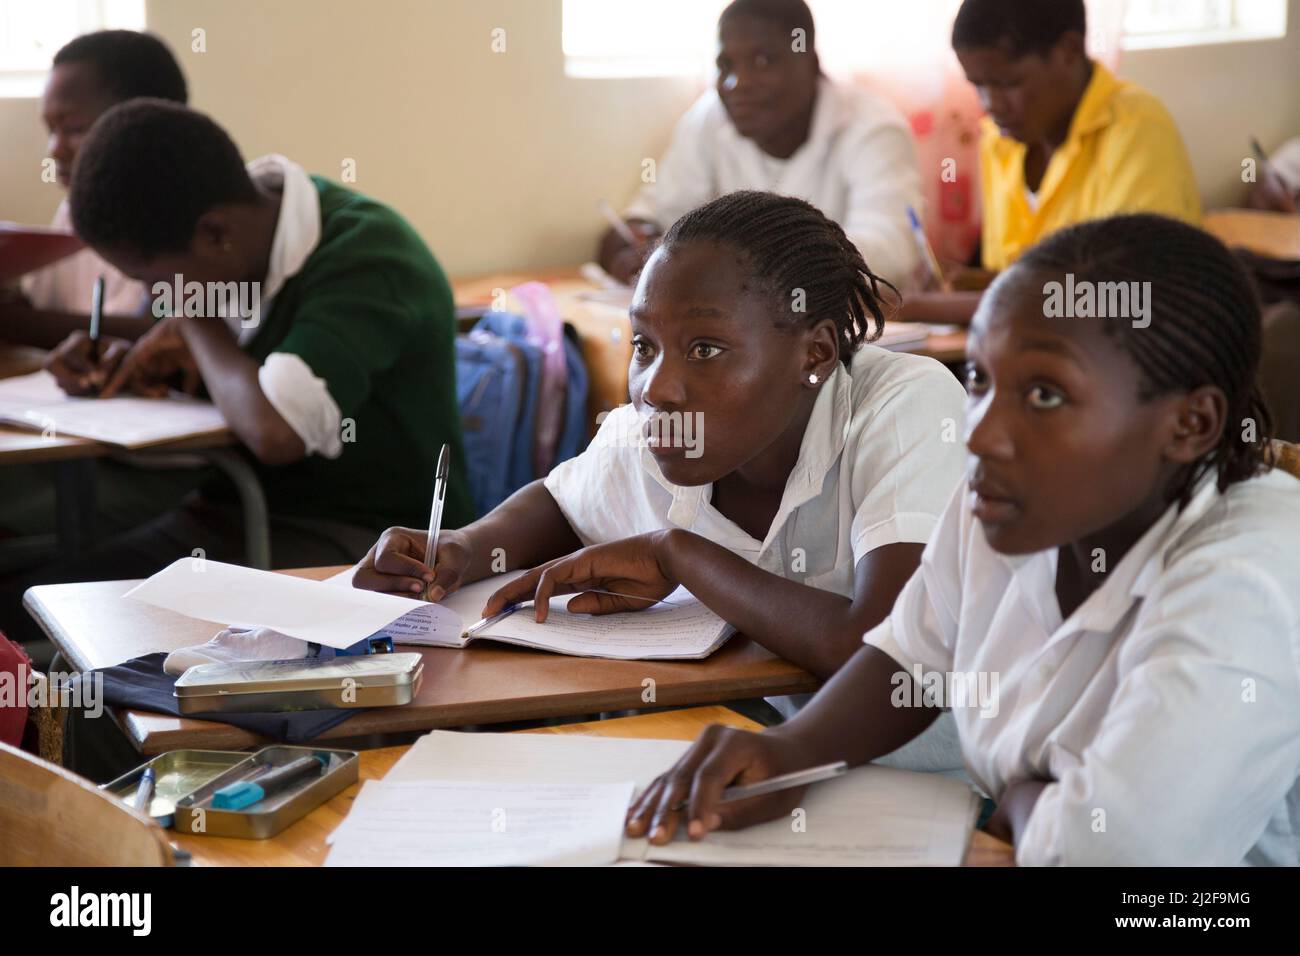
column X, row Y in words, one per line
column 927, row 251
column 144, row 790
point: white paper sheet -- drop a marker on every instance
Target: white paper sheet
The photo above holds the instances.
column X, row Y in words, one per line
column 872, row 816
column 681, row 630
column 244, row 597
column 36, row 401
column 475, row 823
column 536, row 758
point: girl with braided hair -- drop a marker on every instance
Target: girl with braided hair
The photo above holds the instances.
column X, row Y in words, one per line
column 772, row 461
column 1122, row 559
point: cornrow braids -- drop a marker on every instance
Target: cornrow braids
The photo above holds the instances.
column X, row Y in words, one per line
column 791, row 248
column 1205, row 324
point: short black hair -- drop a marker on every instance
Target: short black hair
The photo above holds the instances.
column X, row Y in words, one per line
column 1205, row 324
column 130, row 64
column 786, row 14
column 146, row 173
column 1019, row 27
column 790, row 246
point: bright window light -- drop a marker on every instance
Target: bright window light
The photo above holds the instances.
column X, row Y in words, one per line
column 31, row 32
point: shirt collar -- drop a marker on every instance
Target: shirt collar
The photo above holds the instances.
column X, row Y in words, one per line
column 297, row 231
column 823, row 441
column 1095, row 111
column 1126, row 583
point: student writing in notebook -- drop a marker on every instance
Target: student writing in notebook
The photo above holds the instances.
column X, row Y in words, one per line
column 817, row 466
column 91, row 74
column 776, row 122
column 1064, row 141
column 345, row 366
column 1121, row 556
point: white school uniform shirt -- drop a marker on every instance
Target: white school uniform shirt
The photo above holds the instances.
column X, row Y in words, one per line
column 1166, row 709
column 877, row 462
column 299, row 395
column 858, row 167
column 69, row 284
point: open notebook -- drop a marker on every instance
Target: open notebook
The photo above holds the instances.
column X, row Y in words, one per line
column 35, row 401
column 681, row 628
column 460, row 783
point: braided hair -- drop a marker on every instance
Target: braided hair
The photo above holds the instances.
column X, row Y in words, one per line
column 1205, row 324
column 789, row 248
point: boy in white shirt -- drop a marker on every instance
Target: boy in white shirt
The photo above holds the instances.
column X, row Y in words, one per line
column 776, row 123
column 1121, row 568
column 91, row 74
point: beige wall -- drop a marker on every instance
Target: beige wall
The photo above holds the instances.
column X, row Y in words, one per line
column 498, row 159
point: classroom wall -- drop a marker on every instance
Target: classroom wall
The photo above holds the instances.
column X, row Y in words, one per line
column 498, row 158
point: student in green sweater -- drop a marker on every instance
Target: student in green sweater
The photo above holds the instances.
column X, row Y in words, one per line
column 332, row 355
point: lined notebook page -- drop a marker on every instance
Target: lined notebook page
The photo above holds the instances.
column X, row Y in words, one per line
column 872, row 816
column 684, row 630
column 36, row 401
column 477, row 823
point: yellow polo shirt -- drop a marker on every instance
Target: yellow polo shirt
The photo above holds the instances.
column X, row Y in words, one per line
column 1123, row 154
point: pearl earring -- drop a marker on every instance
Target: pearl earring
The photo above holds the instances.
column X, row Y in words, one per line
column 813, row 379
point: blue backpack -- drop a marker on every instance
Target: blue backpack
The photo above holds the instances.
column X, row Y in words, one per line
column 498, row 387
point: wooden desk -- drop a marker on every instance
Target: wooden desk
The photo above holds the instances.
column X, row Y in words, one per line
column 303, row 843
column 93, row 627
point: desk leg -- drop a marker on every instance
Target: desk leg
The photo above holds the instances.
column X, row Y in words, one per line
column 74, row 483
column 257, row 529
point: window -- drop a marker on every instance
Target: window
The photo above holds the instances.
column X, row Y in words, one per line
column 621, row 38
column 610, row 38
column 31, row 32
column 1163, row 23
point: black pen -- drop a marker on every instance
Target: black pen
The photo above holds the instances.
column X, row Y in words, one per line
column 96, row 318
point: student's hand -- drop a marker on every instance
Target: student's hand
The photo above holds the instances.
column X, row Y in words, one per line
column 1272, row 193
column 632, row 567
column 76, row 371
column 395, row 564
column 623, row 261
column 159, row 362
column 719, row 758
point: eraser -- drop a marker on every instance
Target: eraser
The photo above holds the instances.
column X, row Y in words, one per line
column 237, row 796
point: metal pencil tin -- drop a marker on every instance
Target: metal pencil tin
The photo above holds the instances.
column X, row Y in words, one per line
column 372, row 680
column 178, row 773
column 195, row 813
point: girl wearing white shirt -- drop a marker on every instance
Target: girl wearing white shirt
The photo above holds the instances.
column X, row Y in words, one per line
column 771, row 461
column 1121, row 568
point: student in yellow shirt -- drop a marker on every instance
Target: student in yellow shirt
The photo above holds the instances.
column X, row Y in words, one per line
column 1065, row 140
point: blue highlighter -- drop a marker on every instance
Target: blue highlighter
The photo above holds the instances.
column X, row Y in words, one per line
column 244, row 793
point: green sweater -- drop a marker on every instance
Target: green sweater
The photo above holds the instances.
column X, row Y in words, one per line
column 371, row 313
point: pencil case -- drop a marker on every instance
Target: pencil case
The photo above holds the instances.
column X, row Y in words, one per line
column 371, row 680
column 186, row 781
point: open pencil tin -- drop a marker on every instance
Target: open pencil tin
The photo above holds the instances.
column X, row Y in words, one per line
column 187, row 779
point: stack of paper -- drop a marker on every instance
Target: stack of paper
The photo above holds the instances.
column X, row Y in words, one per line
column 339, row 616
column 36, row 401
column 473, row 823
column 871, row 816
